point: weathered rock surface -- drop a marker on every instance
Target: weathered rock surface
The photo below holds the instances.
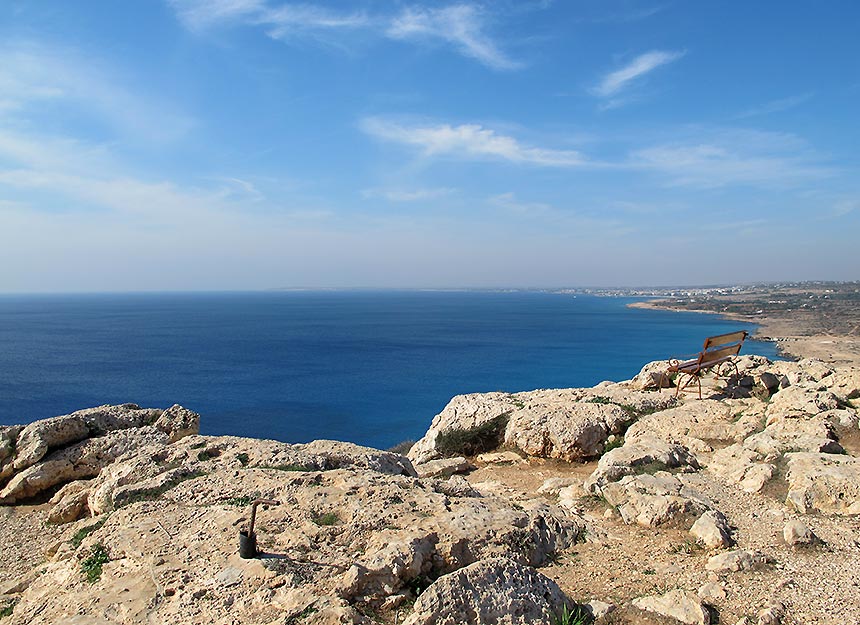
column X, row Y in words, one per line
column 713, row 530
column 655, row 500
column 825, row 483
column 77, row 446
column 733, row 561
column 444, row 467
column 796, row 533
column 642, row 454
column 681, row 605
column 496, row 590
column 567, row 424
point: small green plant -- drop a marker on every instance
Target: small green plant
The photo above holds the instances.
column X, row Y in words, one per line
column 243, row 458
column 297, row 618
column 91, row 567
column 7, row 609
column 326, row 518
column 649, row 571
column 82, row 533
column 242, row 501
column 518, row 403
column 473, row 441
column 198, row 445
column 598, row 400
column 689, row 547
column 577, row 615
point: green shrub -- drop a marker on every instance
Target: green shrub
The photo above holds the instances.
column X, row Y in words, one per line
column 327, row 518
column 473, row 441
column 7, row 609
column 243, row 458
column 91, row 567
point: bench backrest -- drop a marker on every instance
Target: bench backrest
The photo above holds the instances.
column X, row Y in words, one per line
column 724, row 339
column 722, row 346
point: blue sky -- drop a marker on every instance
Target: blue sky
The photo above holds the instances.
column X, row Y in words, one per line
column 251, row 144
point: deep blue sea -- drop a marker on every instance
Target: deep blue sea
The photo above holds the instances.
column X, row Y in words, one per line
column 371, row 367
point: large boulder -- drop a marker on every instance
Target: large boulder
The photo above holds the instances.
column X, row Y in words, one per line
column 39, row 437
column 655, row 500
column 497, row 591
column 644, row 454
column 565, row 423
column 825, row 483
column 81, row 460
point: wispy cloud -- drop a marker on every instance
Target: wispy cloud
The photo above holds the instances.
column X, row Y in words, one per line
column 61, row 82
column 401, row 195
column 775, row 106
column 614, row 82
column 200, row 14
column 468, row 142
column 723, row 157
column 461, row 26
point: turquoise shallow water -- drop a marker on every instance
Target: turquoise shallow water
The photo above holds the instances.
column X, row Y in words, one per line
column 367, row 367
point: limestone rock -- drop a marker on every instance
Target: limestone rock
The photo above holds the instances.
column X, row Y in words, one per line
column 796, row 533
column 825, row 483
column 501, row 457
column 464, row 412
column 444, row 467
column 681, row 605
column 655, row 500
column 738, row 560
column 645, row 453
column 712, row 593
column 652, row 376
column 497, row 591
column 772, row 615
column 69, row 502
column 599, row 609
column 574, row 431
column 79, row 461
column 713, row 530
column 39, row 437
column 8, row 442
column 553, row 485
column 178, row 422
column 559, row 423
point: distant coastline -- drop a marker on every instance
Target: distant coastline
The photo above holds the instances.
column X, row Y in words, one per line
column 806, row 320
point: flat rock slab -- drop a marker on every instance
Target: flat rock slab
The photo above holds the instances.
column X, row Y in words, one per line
column 681, row 605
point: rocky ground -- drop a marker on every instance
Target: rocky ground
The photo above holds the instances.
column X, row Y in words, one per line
column 616, row 502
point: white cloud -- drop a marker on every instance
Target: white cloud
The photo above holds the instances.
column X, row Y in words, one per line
column 460, row 25
column 468, row 141
column 616, row 81
column 400, row 195
column 199, row 14
column 722, row 157
column 775, row 106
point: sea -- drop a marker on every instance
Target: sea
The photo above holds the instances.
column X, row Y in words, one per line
column 370, row 367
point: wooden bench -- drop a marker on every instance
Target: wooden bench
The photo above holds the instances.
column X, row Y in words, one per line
column 717, row 351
